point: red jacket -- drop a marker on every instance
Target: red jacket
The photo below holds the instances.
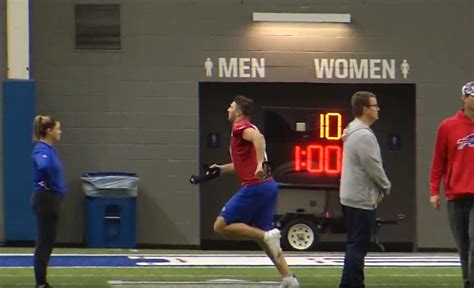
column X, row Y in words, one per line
column 454, row 157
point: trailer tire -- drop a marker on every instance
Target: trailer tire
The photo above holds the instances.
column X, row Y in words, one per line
column 299, row 235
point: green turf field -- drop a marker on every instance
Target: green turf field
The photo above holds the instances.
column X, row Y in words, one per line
column 309, row 277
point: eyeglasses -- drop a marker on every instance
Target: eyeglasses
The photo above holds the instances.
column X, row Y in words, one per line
column 373, row 105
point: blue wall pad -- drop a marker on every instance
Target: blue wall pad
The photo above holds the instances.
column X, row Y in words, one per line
column 18, row 114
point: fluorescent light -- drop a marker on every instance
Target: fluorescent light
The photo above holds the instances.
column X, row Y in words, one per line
column 302, row 17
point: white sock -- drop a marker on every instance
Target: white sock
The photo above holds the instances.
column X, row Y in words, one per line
column 288, row 279
column 266, row 235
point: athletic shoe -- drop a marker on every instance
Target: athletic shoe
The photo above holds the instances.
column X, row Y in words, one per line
column 46, row 285
column 290, row 282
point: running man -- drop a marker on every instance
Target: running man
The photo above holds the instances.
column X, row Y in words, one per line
column 249, row 213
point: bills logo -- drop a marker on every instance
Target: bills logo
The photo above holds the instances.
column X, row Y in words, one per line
column 466, row 141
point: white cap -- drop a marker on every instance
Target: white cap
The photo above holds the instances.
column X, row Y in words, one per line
column 468, row 89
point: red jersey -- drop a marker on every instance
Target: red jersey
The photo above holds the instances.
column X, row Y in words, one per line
column 454, row 157
column 243, row 153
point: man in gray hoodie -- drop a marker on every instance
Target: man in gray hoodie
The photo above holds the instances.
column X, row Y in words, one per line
column 363, row 185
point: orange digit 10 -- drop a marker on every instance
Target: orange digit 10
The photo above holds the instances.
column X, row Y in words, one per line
column 327, row 129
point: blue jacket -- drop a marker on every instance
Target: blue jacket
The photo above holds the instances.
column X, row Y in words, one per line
column 47, row 169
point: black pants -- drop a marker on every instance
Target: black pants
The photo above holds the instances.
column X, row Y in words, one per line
column 360, row 224
column 46, row 209
column 461, row 220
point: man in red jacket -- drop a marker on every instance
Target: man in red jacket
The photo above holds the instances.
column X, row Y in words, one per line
column 453, row 161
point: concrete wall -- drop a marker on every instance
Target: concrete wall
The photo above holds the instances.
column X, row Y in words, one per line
column 137, row 109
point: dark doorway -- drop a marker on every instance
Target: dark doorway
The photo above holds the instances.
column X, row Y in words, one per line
column 290, row 115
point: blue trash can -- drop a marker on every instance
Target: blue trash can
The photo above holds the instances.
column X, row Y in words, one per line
column 111, row 201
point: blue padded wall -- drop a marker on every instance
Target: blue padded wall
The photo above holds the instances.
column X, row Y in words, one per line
column 18, row 114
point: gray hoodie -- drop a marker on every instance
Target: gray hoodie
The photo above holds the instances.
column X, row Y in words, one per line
column 363, row 178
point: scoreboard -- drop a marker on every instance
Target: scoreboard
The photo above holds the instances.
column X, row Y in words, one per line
column 304, row 145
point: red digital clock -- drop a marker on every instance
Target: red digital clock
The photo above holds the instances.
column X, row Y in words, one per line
column 305, row 145
column 318, row 158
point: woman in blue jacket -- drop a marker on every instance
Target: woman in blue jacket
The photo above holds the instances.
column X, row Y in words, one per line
column 49, row 189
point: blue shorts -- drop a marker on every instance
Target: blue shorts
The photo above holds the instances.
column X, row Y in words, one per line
column 253, row 205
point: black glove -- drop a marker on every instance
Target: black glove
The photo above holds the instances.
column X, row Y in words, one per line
column 209, row 174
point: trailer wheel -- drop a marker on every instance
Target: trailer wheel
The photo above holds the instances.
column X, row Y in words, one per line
column 299, row 235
